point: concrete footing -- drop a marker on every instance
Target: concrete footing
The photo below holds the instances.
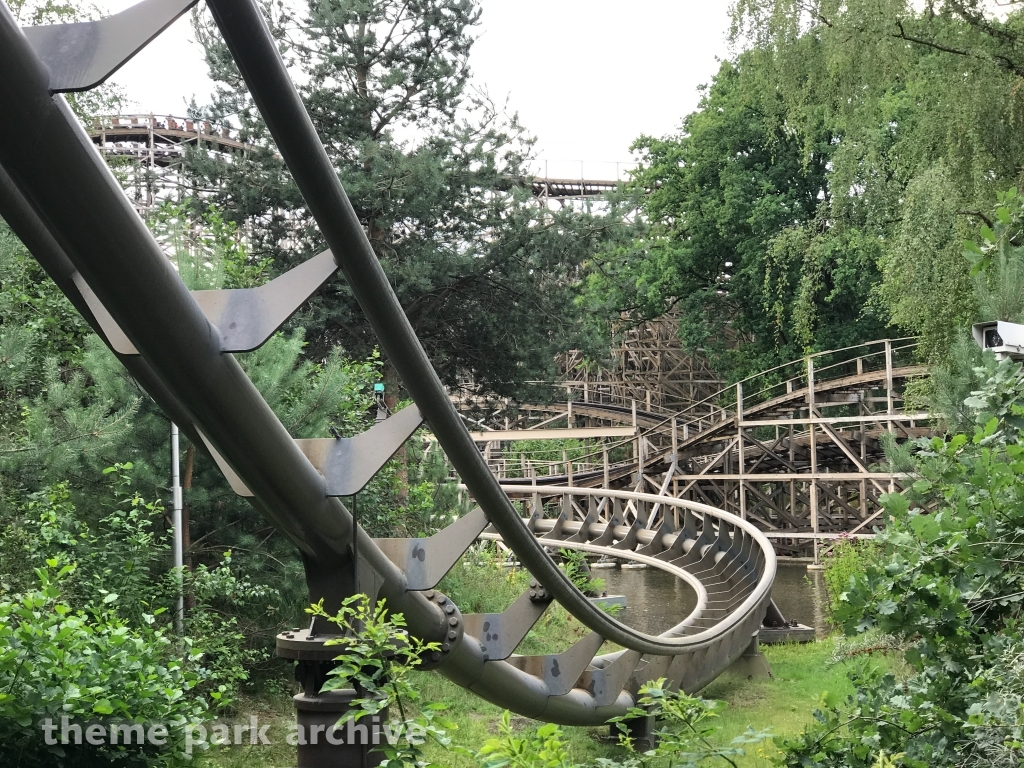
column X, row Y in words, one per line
column 752, row 664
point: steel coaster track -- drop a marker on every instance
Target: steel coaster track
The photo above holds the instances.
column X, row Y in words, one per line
column 58, row 195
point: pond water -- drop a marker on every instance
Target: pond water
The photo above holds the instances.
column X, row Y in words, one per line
column 657, row 601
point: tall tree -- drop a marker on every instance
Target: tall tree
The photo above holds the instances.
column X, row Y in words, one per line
column 926, row 106
column 734, row 235
column 487, row 277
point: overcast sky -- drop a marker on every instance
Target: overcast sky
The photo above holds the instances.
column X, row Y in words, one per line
column 586, row 76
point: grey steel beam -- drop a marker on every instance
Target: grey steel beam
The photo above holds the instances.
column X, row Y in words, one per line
column 78, row 200
column 426, row 561
column 560, row 671
column 244, row 317
column 248, row 38
column 82, row 55
column 349, row 463
column 499, row 634
column 247, row 317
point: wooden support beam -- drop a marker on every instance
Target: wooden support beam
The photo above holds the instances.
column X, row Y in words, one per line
column 578, row 433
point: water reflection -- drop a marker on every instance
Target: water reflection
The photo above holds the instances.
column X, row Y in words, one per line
column 657, row 601
column 800, row 595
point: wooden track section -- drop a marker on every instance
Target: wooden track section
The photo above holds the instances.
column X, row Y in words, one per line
column 797, row 449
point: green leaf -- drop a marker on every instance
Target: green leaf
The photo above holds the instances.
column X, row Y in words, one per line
column 886, row 607
column 102, row 707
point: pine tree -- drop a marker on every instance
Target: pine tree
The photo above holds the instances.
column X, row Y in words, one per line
column 487, row 277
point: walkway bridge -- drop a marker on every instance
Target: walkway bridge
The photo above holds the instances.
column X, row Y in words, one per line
column 180, row 345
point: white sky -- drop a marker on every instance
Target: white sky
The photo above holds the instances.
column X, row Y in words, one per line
column 586, row 76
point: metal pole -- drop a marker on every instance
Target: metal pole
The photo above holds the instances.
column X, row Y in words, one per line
column 888, row 383
column 179, row 559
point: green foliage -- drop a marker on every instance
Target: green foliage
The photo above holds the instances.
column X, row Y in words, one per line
column 554, row 452
column 578, row 572
column 224, row 654
column 208, row 254
column 996, row 275
column 120, row 554
column 377, row 658
column 997, row 263
column 487, row 277
column 121, row 564
column 542, row 749
column 847, row 561
column 951, row 382
column 734, row 232
column 920, row 101
column 433, row 499
column 478, row 583
column 925, row 283
column 87, row 664
column 947, row 582
column 684, row 738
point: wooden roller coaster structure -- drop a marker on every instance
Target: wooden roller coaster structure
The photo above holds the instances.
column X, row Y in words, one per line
column 798, row 450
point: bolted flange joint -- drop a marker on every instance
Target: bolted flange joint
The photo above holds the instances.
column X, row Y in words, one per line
column 538, row 593
column 453, row 628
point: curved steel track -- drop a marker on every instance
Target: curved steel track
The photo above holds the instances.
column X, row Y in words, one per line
column 69, row 210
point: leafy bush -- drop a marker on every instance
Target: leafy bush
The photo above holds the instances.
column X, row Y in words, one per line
column 121, row 564
column 948, row 583
column 221, row 653
column 376, row 658
column 89, row 666
column 849, row 559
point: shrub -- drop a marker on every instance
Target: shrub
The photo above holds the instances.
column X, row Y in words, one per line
column 89, row 666
column 848, row 560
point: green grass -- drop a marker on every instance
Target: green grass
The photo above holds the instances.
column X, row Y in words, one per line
column 477, row 721
column 276, row 711
column 782, row 705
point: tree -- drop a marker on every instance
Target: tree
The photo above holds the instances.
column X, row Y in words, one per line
column 69, row 410
column 487, row 277
column 925, row 105
column 734, row 234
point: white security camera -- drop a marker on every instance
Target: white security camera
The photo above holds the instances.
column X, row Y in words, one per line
column 1005, row 339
